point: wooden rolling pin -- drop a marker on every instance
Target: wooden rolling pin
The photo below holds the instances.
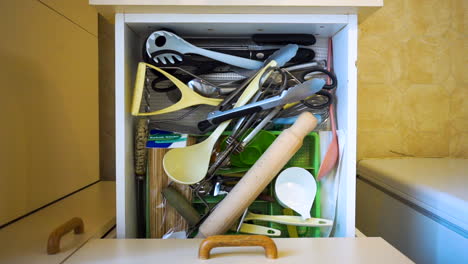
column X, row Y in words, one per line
column 258, row 177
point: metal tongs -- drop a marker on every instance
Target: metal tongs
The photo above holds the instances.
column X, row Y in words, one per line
column 271, row 64
column 294, row 94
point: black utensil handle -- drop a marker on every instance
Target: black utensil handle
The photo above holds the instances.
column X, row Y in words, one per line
column 236, row 114
column 334, row 81
column 205, row 124
column 303, row 55
column 323, row 93
column 283, row 39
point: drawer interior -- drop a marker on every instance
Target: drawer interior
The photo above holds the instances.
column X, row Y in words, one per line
column 131, row 32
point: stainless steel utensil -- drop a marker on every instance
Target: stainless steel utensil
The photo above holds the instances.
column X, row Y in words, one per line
column 294, row 94
column 206, row 89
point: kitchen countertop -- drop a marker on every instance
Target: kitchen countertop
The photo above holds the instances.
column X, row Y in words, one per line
column 291, row 250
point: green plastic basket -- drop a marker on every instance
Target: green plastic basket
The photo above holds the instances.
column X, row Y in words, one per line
column 307, row 157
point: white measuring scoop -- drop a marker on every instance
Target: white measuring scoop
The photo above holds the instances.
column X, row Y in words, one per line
column 295, row 188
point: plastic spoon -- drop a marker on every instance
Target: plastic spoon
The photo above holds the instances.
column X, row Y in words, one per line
column 295, row 188
column 189, row 165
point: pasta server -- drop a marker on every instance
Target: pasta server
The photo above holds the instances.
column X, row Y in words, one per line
column 168, row 48
column 189, row 165
column 188, row 98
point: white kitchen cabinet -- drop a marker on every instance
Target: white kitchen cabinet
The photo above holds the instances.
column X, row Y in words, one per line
column 77, row 11
column 132, row 29
column 26, row 240
column 134, row 20
column 49, row 144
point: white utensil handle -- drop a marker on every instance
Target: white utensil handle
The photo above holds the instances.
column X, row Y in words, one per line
column 229, row 59
column 290, row 220
column 259, row 230
column 258, row 177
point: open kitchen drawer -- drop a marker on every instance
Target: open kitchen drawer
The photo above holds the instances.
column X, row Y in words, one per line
column 130, row 33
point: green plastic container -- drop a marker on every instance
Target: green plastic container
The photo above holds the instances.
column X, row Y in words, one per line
column 253, row 151
column 308, row 157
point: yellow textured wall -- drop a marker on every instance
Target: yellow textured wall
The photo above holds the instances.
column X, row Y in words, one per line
column 413, row 80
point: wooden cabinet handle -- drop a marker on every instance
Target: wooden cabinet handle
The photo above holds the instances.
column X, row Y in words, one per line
column 53, row 245
column 237, row 241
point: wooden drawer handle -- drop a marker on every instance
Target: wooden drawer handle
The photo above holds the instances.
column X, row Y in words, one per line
column 237, row 241
column 53, row 245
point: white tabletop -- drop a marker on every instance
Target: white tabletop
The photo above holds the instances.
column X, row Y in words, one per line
column 291, row 250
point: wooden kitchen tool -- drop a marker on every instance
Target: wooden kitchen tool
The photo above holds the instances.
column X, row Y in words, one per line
column 141, row 158
column 209, row 243
column 258, row 177
column 161, row 217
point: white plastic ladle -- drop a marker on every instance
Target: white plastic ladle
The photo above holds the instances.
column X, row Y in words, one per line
column 295, row 188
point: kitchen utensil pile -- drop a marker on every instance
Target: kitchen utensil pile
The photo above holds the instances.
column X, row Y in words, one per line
column 229, row 93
